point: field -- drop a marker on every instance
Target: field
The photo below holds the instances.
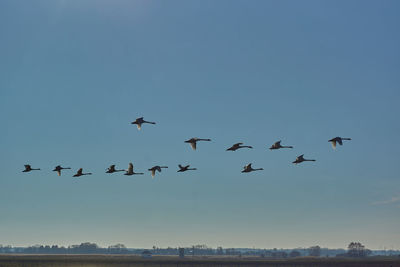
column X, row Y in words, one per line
column 159, row 261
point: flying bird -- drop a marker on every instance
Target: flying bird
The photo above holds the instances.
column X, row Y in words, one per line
column 156, row 168
column 112, row 169
column 80, row 173
column 248, row 168
column 237, row 146
column 277, row 145
column 130, row 171
column 59, row 168
column 28, row 168
column 140, row 121
column 193, row 141
column 185, row 168
column 338, row 140
column 300, row 159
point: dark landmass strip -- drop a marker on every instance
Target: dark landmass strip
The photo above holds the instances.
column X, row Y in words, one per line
column 169, row 261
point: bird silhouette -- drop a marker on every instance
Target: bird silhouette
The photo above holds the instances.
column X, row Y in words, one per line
column 338, row 140
column 156, row 168
column 248, row 168
column 277, row 145
column 80, row 173
column 28, row 168
column 59, row 168
column 140, row 121
column 300, row 159
column 237, row 146
column 185, row 168
column 193, row 141
column 112, row 169
column 130, row 171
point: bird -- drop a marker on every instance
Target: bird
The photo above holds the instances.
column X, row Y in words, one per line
column 185, row 168
column 28, row 168
column 156, row 168
column 193, row 141
column 338, row 140
column 237, row 146
column 80, row 173
column 130, row 171
column 59, row 168
column 300, row 159
column 140, row 121
column 248, row 168
column 112, row 169
column 277, row 145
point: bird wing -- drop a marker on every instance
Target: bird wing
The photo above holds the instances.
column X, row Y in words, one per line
column 153, row 172
column 27, row 166
column 180, row 166
column 59, row 172
column 340, row 141
column 79, row 171
column 193, row 144
column 139, row 126
column 158, row 168
column 130, row 168
column 333, row 144
column 237, row 144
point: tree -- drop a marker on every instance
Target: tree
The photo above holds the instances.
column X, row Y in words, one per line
column 356, row 249
column 314, row 251
column 294, row 254
column 117, row 249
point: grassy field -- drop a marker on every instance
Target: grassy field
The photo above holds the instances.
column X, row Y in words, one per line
column 159, row 261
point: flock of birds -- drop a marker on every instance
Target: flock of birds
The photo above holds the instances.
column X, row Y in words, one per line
column 193, row 143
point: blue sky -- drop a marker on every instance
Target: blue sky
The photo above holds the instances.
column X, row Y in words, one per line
column 74, row 74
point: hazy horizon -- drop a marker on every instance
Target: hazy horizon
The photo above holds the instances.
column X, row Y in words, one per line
column 75, row 74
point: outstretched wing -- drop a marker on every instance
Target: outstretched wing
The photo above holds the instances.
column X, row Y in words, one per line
column 333, row 144
column 79, row 171
column 340, row 141
column 193, row 144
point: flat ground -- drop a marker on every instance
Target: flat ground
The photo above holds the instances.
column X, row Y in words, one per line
column 173, row 261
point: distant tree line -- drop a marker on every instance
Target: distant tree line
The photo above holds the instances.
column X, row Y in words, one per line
column 83, row 248
column 354, row 249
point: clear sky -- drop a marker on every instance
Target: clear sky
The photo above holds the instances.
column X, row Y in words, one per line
column 74, row 74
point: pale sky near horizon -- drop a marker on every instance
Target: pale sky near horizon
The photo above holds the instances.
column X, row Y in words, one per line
column 74, row 74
